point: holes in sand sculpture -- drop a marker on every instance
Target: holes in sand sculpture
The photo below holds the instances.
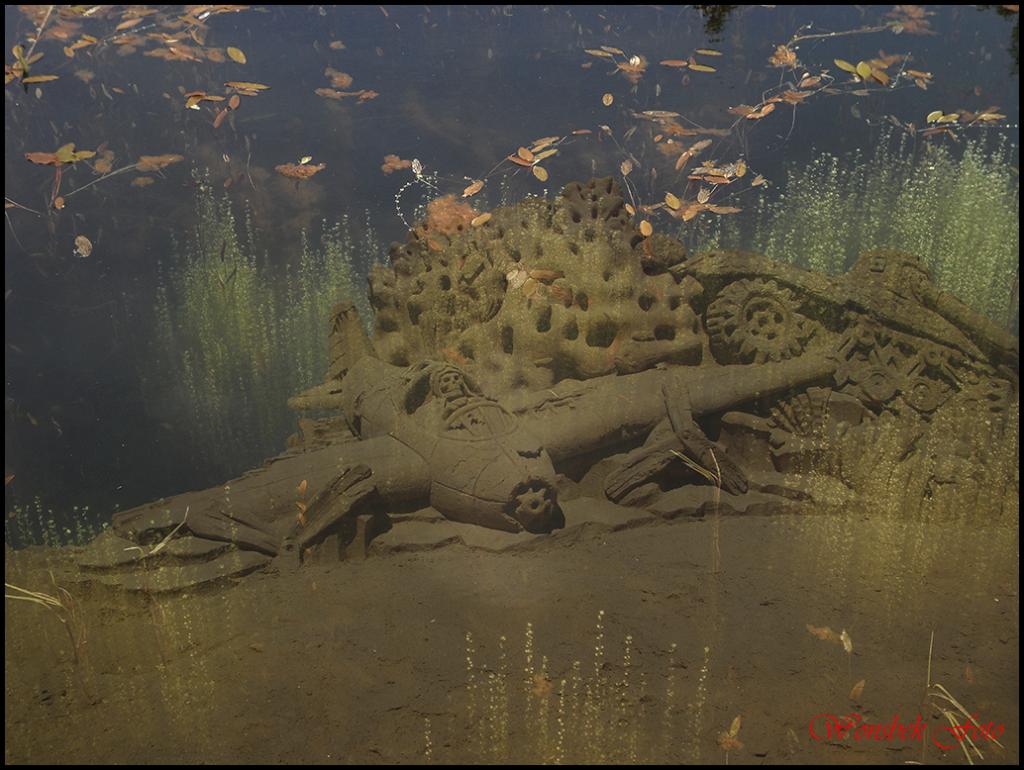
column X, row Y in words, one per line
column 589, row 235
column 574, row 248
column 386, row 323
column 571, row 330
column 544, row 319
column 414, row 313
column 446, row 283
column 582, row 300
column 506, row 340
column 664, row 332
column 576, row 216
column 602, row 334
column 646, row 302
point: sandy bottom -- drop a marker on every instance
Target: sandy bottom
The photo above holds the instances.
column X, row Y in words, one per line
column 608, row 646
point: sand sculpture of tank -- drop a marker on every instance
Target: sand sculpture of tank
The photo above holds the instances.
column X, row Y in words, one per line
column 553, row 361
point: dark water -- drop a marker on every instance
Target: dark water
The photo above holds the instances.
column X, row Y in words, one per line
column 459, row 89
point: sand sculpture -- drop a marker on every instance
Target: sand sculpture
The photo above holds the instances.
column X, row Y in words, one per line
column 553, row 354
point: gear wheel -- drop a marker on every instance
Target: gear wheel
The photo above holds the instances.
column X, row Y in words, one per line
column 756, row 320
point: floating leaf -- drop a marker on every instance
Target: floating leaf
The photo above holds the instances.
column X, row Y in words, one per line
column 824, row 633
column 847, row 642
column 783, row 56
column 525, row 154
column 243, row 85
column 863, row 69
column 880, row 76
column 39, row 79
column 933, row 116
column 646, row 229
column 625, row 167
column 220, row 118
column 42, row 158
column 675, row 63
column 709, row 52
column 295, row 171
column 596, row 52
column 734, row 728
column 607, row 100
column 157, row 162
column 845, row 65
column 540, row 173
column 542, row 155
column 481, row 220
column 338, row 79
column 546, row 276
column 473, row 189
column 301, row 488
column 857, row 690
column 702, row 68
column 611, row 49
column 758, row 114
column 728, row 741
column 67, row 154
column 672, row 201
column 393, row 163
column 236, row 55
column 83, row 246
column 234, row 101
column 795, row 97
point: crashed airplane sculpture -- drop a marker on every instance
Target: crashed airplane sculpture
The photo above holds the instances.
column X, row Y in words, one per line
column 554, row 355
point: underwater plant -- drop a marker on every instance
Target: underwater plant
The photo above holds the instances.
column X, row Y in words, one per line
column 236, row 332
column 958, row 210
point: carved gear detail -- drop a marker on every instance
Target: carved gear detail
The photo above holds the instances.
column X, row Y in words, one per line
column 754, row 320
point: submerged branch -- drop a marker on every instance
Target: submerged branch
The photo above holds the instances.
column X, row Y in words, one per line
column 130, row 167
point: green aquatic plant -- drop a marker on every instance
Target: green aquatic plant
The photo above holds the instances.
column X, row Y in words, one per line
column 235, row 333
column 529, row 708
column 956, row 209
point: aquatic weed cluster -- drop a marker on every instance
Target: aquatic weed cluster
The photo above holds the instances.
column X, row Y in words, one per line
column 237, row 331
column 596, row 711
column 957, row 210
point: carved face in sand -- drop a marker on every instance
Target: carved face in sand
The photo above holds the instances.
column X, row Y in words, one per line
column 449, row 383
